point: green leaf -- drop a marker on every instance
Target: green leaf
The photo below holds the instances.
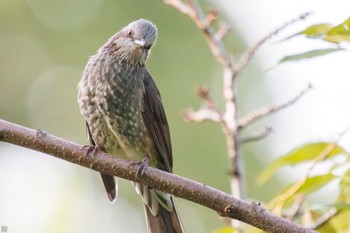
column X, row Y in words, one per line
column 338, row 223
column 315, row 183
column 302, row 187
column 315, row 31
column 300, row 155
column 345, row 187
column 226, row 230
column 339, row 33
column 309, row 54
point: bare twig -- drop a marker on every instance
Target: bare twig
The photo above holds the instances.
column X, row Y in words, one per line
column 208, row 112
column 261, row 135
column 203, row 114
column 203, row 92
column 222, row 31
column 325, row 218
column 193, row 10
column 268, row 110
column 220, row 202
column 248, row 54
column 227, row 118
column 294, row 210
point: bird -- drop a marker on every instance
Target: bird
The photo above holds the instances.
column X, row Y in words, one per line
column 125, row 116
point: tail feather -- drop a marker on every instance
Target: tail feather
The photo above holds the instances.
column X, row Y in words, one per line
column 161, row 214
column 164, row 221
column 111, row 187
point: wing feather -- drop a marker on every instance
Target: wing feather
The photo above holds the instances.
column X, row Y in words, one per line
column 156, row 122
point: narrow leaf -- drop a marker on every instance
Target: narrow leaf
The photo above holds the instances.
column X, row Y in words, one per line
column 345, row 187
column 339, row 33
column 309, row 54
column 317, row 30
column 300, row 155
column 302, row 187
column 315, row 183
column 314, row 31
column 226, row 230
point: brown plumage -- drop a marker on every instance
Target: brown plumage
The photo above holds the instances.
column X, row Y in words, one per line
column 125, row 115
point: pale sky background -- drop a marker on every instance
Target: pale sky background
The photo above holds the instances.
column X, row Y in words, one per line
column 320, row 115
column 324, row 111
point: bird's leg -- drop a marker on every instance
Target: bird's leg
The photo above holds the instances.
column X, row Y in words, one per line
column 143, row 164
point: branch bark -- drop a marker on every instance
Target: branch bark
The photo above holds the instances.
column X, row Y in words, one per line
column 224, row 204
column 268, row 110
column 227, row 118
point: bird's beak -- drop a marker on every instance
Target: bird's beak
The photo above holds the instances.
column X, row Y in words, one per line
column 140, row 42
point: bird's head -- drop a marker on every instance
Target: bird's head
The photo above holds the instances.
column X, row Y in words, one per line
column 133, row 43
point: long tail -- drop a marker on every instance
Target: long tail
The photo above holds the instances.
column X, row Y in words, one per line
column 161, row 213
column 164, row 221
column 111, row 187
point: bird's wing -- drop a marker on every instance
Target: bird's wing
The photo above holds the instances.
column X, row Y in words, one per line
column 109, row 182
column 156, row 122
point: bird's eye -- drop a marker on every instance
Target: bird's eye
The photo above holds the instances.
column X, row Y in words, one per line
column 147, row 47
column 129, row 33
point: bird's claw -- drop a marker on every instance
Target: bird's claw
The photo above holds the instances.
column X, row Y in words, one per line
column 143, row 164
column 91, row 150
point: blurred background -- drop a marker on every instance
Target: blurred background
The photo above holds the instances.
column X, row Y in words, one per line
column 44, row 46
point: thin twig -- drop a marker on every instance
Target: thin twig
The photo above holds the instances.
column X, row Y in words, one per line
column 248, row 54
column 203, row 92
column 256, row 137
column 268, row 110
column 228, row 118
column 325, row 218
column 193, row 10
column 203, row 114
column 294, row 210
column 220, row 202
column 208, row 112
column 222, row 31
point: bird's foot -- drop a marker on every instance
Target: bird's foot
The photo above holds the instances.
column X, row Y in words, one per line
column 143, row 164
column 91, row 150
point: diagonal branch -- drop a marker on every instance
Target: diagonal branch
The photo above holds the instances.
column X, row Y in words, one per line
column 203, row 114
column 258, row 136
column 325, row 218
column 193, row 10
column 228, row 117
column 208, row 112
column 268, row 110
column 224, row 204
column 247, row 55
column 294, row 210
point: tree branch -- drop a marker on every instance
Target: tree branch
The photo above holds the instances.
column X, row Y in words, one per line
column 227, row 118
column 258, row 136
column 294, row 210
column 209, row 111
column 203, row 114
column 268, row 110
column 325, row 218
column 247, row 55
column 193, row 10
column 224, row 204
